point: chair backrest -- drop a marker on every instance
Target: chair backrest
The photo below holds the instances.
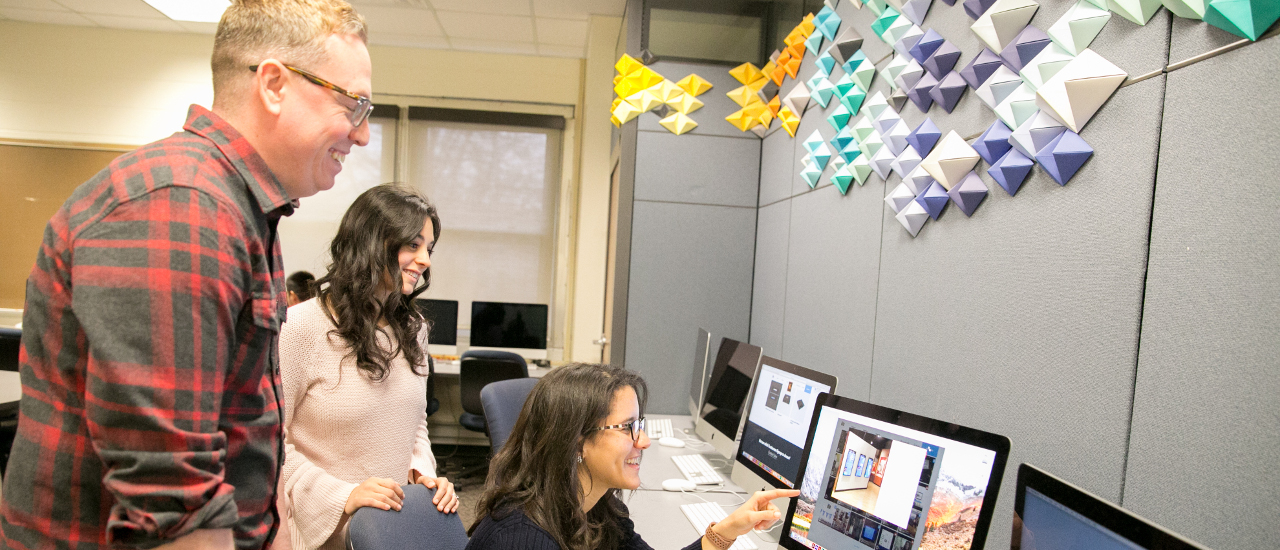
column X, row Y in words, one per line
column 417, row 525
column 479, row 368
column 503, row 402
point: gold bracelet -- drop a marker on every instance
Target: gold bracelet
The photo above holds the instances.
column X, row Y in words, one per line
column 716, row 540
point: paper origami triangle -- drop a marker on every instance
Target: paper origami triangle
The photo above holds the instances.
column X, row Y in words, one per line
column 912, row 217
column 645, row 100
column 743, row 96
column 843, row 138
column 820, row 155
column 678, row 123
column 882, row 22
column 813, row 43
column 790, row 122
column 898, row 99
column 746, row 73
column 1078, row 90
column 915, row 10
column 1102, row 4
column 843, row 85
column 998, row 86
column 685, row 104
column 625, row 111
column 928, row 44
column 975, row 8
column 775, row 105
column 909, row 75
column 1018, row 107
column 662, row 110
column 895, row 67
column 948, row 91
column 825, row 63
column 905, row 162
column 1044, row 66
column 1003, row 21
column 1011, row 170
column 917, row 180
column 907, row 40
column 877, row 6
column 810, row 174
column 919, row 95
column 743, row 120
column 968, row 194
column 862, row 128
column 853, row 61
column 1024, row 47
column 812, row 142
column 981, row 68
column 1246, row 18
column 627, row 65
column 871, row 145
column 1189, row 9
column 899, row 197
column 821, row 90
column 896, row 138
column 925, row 136
column 934, row 199
column 1035, row 133
column 862, row 74
column 881, row 161
column 829, row 25
column 850, row 151
column 839, row 118
column 994, row 142
column 1138, row 11
column 797, row 99
column 898, row 29
column 694, row 85
column 874, row 106
column 848, row 43
column 837, row 161
column 842, row 179
column 942, row 60
column 853, row 99
column 666, row 91
column 861, row 169
column 1079, row 26
column 888, row 119
column 949, row 2
column 950, row 160
column 1064, row 156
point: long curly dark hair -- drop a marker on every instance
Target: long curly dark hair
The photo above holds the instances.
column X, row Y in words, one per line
column 537, row 468
column 364, row 258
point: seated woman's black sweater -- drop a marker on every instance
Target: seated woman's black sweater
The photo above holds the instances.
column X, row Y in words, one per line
column 515, row 531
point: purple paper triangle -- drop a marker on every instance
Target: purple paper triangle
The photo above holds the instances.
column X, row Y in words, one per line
column 926, row 46
column 1024, row 47
column 924, row 137
column 920, row 93
column 948, row 91
column 1064, row 156
column 949, row 2
column 1011, row 170
column 934, row 199
column 981, row 68
column 994, row 142
column 969, row 193
column 975, row 8
column 942, row 60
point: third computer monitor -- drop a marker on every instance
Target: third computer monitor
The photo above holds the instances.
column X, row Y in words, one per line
column 442, row 337
column 727, row 390
column 701, row 374
column 777, row 423
column 520, row 328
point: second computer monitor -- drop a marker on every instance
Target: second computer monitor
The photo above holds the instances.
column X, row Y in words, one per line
column 521, row 328
column 442, row 338
column 730, row 383
column 777, row 423
column 701, row 374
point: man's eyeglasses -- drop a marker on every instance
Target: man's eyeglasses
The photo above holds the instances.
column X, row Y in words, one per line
column 635, row 427
column 359, row 113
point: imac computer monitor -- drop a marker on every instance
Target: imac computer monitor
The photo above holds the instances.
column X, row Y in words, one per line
column 519, row 328
column 701, row 374
column 879, row 478
column 1051, row 513
column 727, row 390
column 442, row 339
column 777, row 422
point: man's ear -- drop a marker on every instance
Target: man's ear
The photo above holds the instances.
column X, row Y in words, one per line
column 270, row 85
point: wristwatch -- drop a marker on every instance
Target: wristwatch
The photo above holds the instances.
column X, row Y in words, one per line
column 716, row 540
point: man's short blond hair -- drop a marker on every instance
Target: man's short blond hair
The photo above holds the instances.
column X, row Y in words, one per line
column 292, row 31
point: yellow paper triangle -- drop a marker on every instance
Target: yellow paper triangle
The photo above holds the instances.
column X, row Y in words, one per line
column 685, row 104
column 677, row 123
column 746, row 73
column 694, row 84
column 627, row 65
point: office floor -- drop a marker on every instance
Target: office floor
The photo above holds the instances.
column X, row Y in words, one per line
column 451, row 461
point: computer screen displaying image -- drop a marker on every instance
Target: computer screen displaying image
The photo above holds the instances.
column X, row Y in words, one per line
column 727, row 390
column 879, row 478
column 777, row 423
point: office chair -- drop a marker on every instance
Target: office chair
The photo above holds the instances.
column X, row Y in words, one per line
column 433, row 404
column 477, row 369
column 503, row 402
column 417, row 525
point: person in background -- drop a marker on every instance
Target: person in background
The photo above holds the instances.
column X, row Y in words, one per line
column 299, row 287
column 557, row 482
column 149, row 415
column 354, row 367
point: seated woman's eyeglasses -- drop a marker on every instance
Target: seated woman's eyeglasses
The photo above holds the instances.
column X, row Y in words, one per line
column 359, row 113
column 635, row 427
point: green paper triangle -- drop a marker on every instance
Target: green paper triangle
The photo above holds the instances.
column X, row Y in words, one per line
column 1245, row 18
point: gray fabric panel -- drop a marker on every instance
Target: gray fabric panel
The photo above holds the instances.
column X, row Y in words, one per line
column 690, row 267
column 1202, row 457
column 768, row 302
column 698, row 169
column 834, row 256
column 1023, row 319
column 717, row 105
column 1193, row 37
column 776, row 158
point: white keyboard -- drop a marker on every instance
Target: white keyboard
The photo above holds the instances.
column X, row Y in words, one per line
column 659, row 428
column 695, row 468
column 703, row 513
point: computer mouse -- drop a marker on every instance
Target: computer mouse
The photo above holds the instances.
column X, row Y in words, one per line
column 671, row 442
column 678, row 484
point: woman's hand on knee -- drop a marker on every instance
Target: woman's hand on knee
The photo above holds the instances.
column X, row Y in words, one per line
column 375, row 492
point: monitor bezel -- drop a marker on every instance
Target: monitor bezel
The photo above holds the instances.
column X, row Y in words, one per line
column 700, row 376
column 955, row 432
column 457, row 315
column 1120, row 521
column 790, row 368
column 546, row 336
column 726, row 444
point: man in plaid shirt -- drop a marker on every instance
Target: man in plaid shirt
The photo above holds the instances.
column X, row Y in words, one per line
column 150, row 413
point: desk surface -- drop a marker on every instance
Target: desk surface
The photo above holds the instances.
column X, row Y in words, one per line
column 453, row 368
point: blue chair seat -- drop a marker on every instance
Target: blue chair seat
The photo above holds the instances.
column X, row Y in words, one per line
column 417, row 525
column 473, row 422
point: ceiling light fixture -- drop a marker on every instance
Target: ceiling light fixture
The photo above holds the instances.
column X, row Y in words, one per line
column 199, row 11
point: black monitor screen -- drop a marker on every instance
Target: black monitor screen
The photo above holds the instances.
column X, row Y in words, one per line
column 10, row 340
column 443, row 316
column 729, row 385
column 507, row 325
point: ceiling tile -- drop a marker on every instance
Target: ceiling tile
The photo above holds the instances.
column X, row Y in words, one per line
column 409, row 40
column 493, row 7
column 197, row 27
column 494, row 46
column 507, row 28
column 135, row 23
column 561, row 32
column 45, row 16
column 554, row 50
column 577, row 9
column 130, row 8
column 400, row 20
column 49, row 5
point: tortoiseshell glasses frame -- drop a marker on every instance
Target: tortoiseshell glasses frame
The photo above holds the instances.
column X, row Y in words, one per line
column 359, row 113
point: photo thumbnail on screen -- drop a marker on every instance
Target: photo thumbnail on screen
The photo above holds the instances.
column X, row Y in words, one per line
column 873, row 484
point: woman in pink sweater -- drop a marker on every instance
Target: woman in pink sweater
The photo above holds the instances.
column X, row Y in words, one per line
column 354, row 366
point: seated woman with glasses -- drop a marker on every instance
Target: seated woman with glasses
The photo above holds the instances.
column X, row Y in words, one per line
column 557, row 482
column 353, row 365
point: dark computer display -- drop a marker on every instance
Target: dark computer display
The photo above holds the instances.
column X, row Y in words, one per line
column 443, row 316
column 10, row 341
column 875, row 477
column 730, row 383
column 508, row 325
column 1051, row 514
column 778, row 420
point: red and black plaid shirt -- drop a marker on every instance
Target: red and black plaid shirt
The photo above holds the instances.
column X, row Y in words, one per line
column 150, row 389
